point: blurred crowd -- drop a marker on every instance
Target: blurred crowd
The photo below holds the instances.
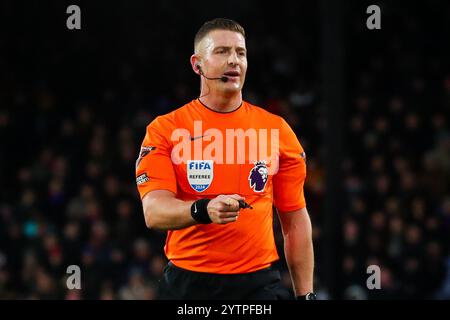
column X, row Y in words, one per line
column 397, row 168
column 73, row 114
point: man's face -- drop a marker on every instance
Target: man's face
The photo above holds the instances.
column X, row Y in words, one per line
column 223, row 53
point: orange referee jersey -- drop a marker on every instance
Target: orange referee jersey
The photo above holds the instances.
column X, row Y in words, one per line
column 196, row 152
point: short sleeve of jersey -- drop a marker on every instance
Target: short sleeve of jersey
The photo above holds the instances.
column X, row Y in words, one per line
column 289, row 180
column 154, row 168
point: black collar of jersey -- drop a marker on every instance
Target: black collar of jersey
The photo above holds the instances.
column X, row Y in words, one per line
column 220, row 111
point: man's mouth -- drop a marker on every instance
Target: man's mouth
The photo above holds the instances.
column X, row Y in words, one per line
column 232, row 74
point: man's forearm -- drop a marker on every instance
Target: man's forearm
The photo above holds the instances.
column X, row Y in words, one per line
column 165, row 212
column 299, row 251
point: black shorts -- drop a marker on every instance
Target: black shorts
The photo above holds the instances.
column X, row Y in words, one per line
column 182, row 284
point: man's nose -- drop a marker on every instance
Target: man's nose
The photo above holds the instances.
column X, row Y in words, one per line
column 233, row 58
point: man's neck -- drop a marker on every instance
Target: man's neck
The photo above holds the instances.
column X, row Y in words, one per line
column 221, row 103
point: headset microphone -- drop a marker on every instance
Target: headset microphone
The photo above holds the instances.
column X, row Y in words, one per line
column 222, row 78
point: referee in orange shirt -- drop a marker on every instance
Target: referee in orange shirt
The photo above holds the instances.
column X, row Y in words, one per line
column 209, row 174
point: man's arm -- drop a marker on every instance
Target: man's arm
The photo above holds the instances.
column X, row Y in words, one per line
column 298, row 248
column 162, row 210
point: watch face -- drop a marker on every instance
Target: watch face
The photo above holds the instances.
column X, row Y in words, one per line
column 310, row 296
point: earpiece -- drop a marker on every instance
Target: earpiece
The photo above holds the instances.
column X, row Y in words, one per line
column 222, row 78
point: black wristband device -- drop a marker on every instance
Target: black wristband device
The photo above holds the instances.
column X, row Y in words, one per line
column 308, row 296
column 199, row 211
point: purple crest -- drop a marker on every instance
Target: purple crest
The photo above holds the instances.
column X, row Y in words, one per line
column 258, row 176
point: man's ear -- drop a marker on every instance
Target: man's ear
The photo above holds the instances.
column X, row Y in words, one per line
column 195, row 63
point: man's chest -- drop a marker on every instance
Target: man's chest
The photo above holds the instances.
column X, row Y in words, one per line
column 221, row 159
column 209, row 178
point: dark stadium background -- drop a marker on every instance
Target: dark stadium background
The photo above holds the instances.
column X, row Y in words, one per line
column 371, row 109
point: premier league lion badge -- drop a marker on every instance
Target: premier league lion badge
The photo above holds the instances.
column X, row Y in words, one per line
column 258, row 176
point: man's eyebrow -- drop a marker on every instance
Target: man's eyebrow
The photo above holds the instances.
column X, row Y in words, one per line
column 228, row 48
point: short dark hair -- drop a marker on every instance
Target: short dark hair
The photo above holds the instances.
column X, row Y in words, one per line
column 217, row 24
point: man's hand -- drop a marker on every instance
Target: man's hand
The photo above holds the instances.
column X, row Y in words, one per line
column 224, row 209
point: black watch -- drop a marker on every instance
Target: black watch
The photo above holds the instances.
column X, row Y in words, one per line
column 308, row 296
